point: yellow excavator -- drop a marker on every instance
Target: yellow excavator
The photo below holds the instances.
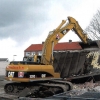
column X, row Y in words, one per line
column 38, row 75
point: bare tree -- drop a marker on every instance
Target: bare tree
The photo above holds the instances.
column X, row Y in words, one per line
column 93, row 29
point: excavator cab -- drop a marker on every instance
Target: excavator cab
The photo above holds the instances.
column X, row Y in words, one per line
column 35, row 59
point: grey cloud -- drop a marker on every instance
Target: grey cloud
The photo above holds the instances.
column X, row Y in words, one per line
column 22, row 19
column 17, row 17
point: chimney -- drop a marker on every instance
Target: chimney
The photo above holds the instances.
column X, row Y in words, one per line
column 70, row 41
column 42, row 42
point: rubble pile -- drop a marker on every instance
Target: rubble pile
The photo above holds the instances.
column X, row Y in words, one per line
column 79, row 89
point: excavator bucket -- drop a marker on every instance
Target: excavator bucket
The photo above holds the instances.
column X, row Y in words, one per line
column 93, row 45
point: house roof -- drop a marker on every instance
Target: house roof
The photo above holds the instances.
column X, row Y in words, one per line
column 3, row 59
column 34, row 47
column 67, row 46
column 58, row 47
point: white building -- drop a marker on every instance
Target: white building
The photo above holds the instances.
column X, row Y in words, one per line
column 3, row 63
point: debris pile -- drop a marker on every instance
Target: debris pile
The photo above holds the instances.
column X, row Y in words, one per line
column 79, row 89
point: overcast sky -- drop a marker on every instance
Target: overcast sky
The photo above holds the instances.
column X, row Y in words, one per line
column 26, row 22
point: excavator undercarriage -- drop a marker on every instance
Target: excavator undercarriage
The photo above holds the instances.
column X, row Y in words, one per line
column 43, row 88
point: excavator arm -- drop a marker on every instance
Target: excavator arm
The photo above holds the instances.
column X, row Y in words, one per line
column 59, row 33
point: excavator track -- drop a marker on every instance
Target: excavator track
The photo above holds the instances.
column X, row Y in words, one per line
column 38, row 89
column 62, row 82
column 13, row 88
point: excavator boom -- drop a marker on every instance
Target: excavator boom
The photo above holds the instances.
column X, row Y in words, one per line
column 59, row 33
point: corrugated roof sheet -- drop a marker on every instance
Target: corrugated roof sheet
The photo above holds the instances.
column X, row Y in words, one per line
column 58, row 47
